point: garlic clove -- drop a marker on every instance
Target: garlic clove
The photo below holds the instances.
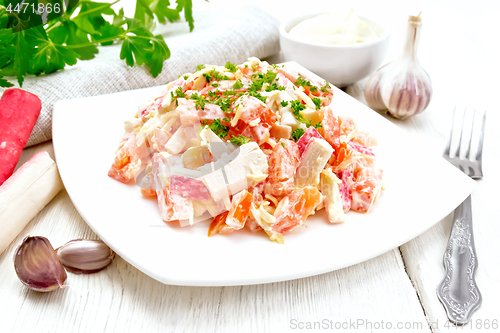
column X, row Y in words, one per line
column 85, row 256
column 37, row 265
column 373, row 94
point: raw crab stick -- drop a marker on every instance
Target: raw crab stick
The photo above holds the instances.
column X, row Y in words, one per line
column 19, row 111
column 25, row 194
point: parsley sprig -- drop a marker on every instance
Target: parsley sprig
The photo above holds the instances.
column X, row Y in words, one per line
column 239, row 140
column 217, row 128
column 77, row 33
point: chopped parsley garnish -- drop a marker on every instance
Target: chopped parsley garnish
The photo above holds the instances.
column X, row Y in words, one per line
column 324, row 88
column 257, row 95
column 258, row 80
column 186, row 77
column 224, row 103
column 284, row 103
column 231, row 67
column 297, row 106
column 218, row 128
column 214, row 84
column 296, row 134
column 283, row 144
column 301, row 82
column 274, row 86
column 238, row 84
column 178, row 94
column 317, row 102
column 208, row 77
column 199, row 100
column 200, row 67
column 240, row 140
column 318, row 125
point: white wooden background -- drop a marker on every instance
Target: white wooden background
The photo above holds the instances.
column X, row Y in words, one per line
column 460, row 51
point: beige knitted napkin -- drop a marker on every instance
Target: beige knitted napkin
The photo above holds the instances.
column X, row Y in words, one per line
column 219, row 36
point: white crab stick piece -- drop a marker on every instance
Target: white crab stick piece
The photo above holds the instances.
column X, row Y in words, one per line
column 24, row 195
column 313, row 160
column 333, row 201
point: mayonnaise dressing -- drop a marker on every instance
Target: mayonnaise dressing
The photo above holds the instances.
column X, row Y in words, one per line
column 339, row 27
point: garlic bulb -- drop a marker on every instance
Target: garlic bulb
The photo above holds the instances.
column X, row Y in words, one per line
column 85, row 256
column 37, row 266
column 402, row 87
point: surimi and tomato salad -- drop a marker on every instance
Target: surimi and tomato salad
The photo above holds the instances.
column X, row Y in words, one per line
column 254, row 146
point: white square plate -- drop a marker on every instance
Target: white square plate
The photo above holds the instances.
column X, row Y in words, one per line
column 420, row 190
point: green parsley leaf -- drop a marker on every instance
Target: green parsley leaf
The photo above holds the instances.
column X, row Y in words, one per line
column 283, row 144
column 238, row 84
column 297, row 106
column 231, row 67
column 159, row 52
column 296, row 134
column 284, row 103
column 48, row 56
column 318, row 125
column 317, row 102
column 187, row 6
column 199, row 100
column 257, row 95
column 240, row 140
column 200, row 67
column 219, row 129
column 325, row 87
column 4, row 83
column 179, row 93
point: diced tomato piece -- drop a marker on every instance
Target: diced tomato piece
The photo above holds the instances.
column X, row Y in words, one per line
column 283, row 164
column 127, row 162
column 210, row 112
column 366, row 184
column 253, row 111
column 234, row 219
column 295, row 208
column 252, row 108
column 331, row 127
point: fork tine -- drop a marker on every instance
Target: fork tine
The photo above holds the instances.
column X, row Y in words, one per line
column 448, row 145
column 467, row 152
column 479, row 153
column 459, row 148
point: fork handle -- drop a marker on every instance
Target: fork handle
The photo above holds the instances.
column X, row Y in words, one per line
column 458, row 291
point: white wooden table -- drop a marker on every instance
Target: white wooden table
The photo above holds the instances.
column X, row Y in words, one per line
column 395, row 291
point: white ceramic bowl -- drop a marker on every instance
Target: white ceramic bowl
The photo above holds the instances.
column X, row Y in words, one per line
column 340, row 64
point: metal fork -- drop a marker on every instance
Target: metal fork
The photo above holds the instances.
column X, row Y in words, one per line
column 458, row 291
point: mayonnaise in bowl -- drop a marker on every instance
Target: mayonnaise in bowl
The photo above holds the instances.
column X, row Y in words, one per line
column 339, row 27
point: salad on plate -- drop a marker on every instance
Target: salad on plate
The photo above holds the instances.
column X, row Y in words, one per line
column 253, row 146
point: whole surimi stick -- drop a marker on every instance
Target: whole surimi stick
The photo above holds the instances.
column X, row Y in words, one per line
column 19, row 111
column 25, row 194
